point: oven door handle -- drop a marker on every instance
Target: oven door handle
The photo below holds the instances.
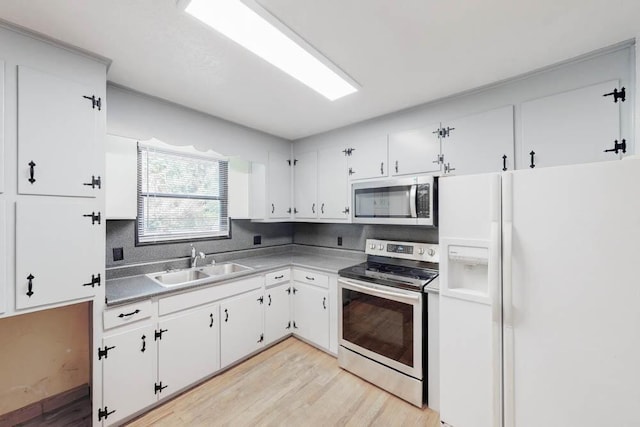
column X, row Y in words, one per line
column 413, row 199
column 378, row 292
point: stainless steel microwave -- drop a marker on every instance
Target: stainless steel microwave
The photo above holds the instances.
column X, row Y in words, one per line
column 411, row 201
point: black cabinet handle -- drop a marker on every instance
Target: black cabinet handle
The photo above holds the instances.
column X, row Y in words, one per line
column 30, row 278
column 396, row 166
column 279, row 277
column 322, row 208
column 144, row 344
column 269, row 304
column 382, row 168
column 313, row 208
column 532, row 154
column 122, row 315
column 226, row 315
column 504, row 162
column 211, row 324
column 31, row 172
column 309, row 278
column 273, row 208
column 324, row 303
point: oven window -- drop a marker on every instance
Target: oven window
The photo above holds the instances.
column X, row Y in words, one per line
column 380, row 325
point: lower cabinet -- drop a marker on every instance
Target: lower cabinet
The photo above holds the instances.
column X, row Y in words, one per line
column 277, row 312
column 311, row 313
column 241, row 328
column 189, row 348
column 128, row 373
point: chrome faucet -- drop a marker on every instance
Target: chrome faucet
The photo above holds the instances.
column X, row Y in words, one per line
column 194, row 257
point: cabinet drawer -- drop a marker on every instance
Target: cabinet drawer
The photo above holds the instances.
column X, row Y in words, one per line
column 277, row 277
column 126, row 314
column 312, row 278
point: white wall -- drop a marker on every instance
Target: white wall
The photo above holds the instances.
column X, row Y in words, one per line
column 613, row 63
column 142, row 117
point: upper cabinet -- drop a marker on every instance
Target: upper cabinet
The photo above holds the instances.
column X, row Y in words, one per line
column 279, row 186
column 305, row 174
column 57, row 136
column 478, row 143
column 368, row 159
column 415, row 151
column 333, row 185
column 121, row 175
column 578, row 126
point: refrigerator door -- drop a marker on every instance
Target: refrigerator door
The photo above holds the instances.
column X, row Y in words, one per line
column 470, row 301
column 572, row 295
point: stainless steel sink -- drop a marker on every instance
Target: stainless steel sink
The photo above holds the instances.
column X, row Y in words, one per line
column 226, row 268
column 177, row 278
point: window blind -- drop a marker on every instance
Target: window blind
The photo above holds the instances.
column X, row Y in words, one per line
column 181, row 196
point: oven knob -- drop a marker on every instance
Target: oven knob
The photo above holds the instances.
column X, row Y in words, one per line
column 431, row 252
column 420, row 251
column 381, row 246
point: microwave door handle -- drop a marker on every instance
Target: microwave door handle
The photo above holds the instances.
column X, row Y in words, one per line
column 413, row 195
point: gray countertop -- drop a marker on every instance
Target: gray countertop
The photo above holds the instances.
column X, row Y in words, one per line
column 134, row 288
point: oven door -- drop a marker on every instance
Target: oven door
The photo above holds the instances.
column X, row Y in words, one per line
column 382, row 323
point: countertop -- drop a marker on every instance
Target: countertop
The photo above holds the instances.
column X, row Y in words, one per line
column 134, row 288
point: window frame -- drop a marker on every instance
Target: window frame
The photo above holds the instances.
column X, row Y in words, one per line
column 140, row 195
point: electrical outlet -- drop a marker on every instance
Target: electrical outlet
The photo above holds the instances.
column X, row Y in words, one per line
column 118, row 254
column 257, row 240
column 339, row 240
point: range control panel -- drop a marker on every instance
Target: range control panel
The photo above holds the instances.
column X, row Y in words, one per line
column 404, row 250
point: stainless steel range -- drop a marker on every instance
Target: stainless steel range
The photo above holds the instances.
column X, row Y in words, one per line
column 383, row 316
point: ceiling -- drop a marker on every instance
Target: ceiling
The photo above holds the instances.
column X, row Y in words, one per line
column 402, row 53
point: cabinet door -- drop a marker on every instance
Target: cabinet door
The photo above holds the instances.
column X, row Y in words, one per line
column 57, row 136
column 277, row 312
column 2, row 126
column 415, row 151
column 333, row 184
column 570, row 127
column 279, row 186
column 311, row 313
column 121, row 177
column 305, row 185
column 59, row 250
column 189, row 349
column 477, row 143
column 3, row 257
column 369, row 159
column 241, row 331
column 128, row 373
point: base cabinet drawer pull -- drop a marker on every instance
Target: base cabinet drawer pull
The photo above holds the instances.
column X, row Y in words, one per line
column 309, row 278
column 279, row 277
column 32, row 165
column 30, row 278
column 123, row 315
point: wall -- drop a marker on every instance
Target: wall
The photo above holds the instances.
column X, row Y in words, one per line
column 354, row 236
column 617, row 62
column 27, row 373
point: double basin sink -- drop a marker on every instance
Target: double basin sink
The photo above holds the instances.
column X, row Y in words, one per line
column 197, row 275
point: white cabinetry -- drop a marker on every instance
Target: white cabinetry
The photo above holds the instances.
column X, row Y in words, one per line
column 3, row 255
column 333, row 184
column 415, row 151
column 128, row 373
column 277, row 312
column 241, row 329
column 571, row 127
column 479, row 143
column 2, row 101
column 311, row 307
column 433, row 351
column 121, row 177
column 59, row 250
column 306, row 185
column 57, row 136
column 368, row 159
column 189, row 349
column 279, row 186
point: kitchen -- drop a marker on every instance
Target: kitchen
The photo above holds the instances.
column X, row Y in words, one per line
column 549, row 102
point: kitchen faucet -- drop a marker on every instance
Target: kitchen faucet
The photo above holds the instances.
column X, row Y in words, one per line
column 194, row 257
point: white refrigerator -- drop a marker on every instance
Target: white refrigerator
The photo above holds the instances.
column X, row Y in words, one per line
column 540, row 297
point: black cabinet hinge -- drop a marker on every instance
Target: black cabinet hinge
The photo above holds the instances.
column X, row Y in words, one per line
column 351, row 171
column 348, row 151
column 158, row 387
column 288, row 325
column 618, row 94
column 294, row 290
column 95, row 102
column 294, row 325
column 157, row 335
column 104, row 413
column 261, row 300
column 94, row 217
column 94, row 182
column 95, row 281
column 346, row 210
column 622, row 146
column 104, row 352
column 261, row 338
column 443, row 132
column 295, row 162
column 289, row 290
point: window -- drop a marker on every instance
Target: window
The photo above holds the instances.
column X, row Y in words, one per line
column 180, row 195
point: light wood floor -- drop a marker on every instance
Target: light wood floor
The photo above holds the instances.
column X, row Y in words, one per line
column 290, row 384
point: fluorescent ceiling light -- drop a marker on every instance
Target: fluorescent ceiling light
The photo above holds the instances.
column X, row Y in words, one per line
column 243, row 25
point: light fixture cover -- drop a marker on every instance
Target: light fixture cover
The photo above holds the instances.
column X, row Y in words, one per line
column 243, row 25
